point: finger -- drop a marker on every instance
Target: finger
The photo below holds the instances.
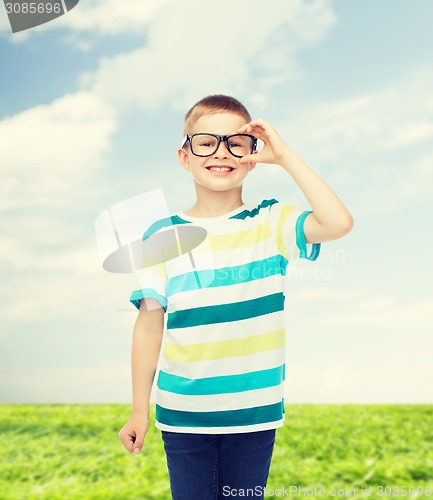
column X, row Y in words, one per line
column 252, row 158
column 255, row 129
column 260, row 123
column 257, row 124
column 123, row 440
column 258, row 134
column 127, row 441
column 138, row 445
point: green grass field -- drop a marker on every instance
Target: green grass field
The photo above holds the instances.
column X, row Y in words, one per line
column 72, row 452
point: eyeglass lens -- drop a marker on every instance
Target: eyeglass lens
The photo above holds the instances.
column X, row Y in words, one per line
column 205, row 145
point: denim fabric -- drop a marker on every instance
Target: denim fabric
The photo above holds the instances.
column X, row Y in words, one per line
column 218, row 466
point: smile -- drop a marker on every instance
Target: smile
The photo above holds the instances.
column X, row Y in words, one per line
column 221, row 170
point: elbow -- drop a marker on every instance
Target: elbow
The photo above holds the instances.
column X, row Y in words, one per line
column 341, row 228
column 347, row 225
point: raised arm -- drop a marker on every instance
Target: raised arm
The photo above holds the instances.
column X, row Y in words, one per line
column 329, row 219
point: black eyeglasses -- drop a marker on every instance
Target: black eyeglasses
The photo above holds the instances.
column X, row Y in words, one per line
column 203, row 144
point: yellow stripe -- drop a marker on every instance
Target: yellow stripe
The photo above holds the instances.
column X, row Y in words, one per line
column 226, row 348
column 285, row 212
column 239, row 239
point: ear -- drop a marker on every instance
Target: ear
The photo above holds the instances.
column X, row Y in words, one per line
column 183, row 158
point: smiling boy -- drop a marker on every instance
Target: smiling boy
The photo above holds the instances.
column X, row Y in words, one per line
column 220, row 390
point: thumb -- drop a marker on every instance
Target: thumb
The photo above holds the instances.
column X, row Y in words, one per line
column 247, row 158
column 138, row 445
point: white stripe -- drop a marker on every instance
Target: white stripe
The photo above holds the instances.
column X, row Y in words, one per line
column 210, row 261
column 221, row 295
column 222, row 430
column 231, row 330
column 229, row 401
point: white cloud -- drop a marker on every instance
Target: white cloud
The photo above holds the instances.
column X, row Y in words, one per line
column 424, row 165
column 389, row 118
column 76, row 384
column 359, row 381
column 331, row 294
column 375, row 303
column 356, row 141
column 359, row 306
column 4, row 23
column 61, row 131
column 66, row 286
column 191, row 50
column 411, row 132
column 110, row 17
column 96, row 17
column 379, row 312
column 52, row 156
column 50, row 150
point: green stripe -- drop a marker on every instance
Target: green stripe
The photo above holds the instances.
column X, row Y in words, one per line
column 137, row 295
column 302, row 242
column 227, row 418
column 224, row 276
column 223, row 313
column 223, row 384
column 172, row 220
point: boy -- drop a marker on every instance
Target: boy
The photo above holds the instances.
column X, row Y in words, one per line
column 220, row 390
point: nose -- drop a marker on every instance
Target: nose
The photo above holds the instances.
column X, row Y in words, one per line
column 223, row 151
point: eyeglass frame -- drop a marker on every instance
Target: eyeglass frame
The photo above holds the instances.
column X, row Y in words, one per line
column 220, row 139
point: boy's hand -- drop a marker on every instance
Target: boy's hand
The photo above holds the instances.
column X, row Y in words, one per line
column 274, row 147
column 133, row 432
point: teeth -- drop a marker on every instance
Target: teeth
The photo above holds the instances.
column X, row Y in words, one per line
column 221, row 169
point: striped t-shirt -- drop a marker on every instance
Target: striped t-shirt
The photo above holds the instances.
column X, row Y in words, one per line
column 221, row 283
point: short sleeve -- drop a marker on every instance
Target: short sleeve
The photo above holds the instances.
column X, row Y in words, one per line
column 287, row 222
column 152, row 283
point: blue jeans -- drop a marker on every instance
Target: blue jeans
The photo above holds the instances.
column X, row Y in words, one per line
column 217, row 466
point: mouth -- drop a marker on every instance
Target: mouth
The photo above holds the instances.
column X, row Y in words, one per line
column 220, row 169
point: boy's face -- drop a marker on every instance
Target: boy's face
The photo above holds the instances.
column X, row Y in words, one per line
column 224, row 123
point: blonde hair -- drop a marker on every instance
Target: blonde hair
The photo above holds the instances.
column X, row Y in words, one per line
column 212, row 104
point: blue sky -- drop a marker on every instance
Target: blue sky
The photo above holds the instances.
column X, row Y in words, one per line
column 91, row 114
